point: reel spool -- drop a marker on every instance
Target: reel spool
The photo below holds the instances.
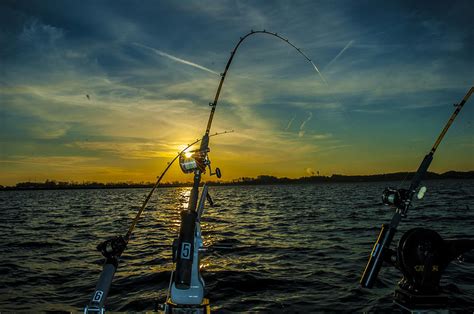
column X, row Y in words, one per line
column 422, row 256
column 190, row 162
column 395, row 197
column 422, row 259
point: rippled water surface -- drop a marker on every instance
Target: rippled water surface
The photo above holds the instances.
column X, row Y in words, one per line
column 294, row 248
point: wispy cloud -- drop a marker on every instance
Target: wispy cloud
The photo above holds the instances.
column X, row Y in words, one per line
column 65, row 161
column 167, row 55
column 320, row 75
column 290, row 122
column 302, row 131
column 129, row 150
column 339, row 54
column 321, row 136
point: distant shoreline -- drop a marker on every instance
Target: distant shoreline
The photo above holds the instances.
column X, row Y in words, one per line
column 260, row 180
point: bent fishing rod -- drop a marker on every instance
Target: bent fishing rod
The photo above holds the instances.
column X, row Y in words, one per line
column 402, row 200
column 186, row 284
column 223, row 75
column 113, row 248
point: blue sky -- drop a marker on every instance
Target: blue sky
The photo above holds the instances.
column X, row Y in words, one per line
column 393, row 70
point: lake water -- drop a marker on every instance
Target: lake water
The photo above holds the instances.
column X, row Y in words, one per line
column 295, row 248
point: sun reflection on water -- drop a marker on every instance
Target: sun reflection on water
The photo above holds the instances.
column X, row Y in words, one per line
column 182, row 197
column 184, row 194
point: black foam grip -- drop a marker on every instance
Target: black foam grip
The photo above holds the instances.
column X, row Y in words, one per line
column 377, row 256
column 185, row 249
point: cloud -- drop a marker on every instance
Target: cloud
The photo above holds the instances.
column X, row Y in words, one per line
column 49, row 131
column 38, row 33
column 129, row 150
column 290, row 122
column 302, row 132
column 321, row 136
column 140, row 109
column 63, row 161
column 320, row 75
column 339, row 54
column 164, row 54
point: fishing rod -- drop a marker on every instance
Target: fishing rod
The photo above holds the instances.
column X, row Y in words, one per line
column 113, row 248
column 205, row 140
column 402, row 199
column 186, row 292
column 186, row 285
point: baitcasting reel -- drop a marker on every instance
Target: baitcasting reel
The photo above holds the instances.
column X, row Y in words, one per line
column 400, row 198
column 396, row 197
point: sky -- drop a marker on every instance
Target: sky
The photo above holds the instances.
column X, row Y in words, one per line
column 110, row 91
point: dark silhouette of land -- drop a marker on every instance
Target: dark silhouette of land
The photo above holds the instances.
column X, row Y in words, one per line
column 260, row 180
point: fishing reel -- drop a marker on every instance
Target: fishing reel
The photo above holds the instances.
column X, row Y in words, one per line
column 400, row 198
column 111, row 249
column 396, row 197
column 422, row 256
column 197, row 160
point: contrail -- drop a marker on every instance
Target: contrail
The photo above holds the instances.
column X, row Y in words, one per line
column 317, row 70
column 339, row 54
column 290, row 122
column 301, row 133
column 164, row 54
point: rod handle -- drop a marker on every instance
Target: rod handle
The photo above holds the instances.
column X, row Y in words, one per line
column 377, row 256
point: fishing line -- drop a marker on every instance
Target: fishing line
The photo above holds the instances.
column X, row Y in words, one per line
column 401, row 199
column 183, row 291
column 189, row 240
column 223, row 75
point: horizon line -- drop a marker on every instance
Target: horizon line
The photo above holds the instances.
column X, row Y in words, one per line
column 83, row 182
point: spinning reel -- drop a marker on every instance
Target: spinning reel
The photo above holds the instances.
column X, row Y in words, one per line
column 197, row 160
